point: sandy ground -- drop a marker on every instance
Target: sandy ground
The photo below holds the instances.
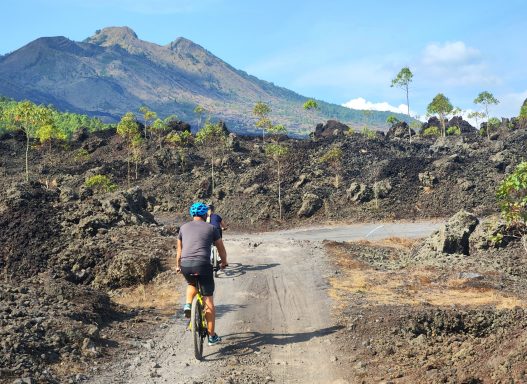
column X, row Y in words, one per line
column 273, row 312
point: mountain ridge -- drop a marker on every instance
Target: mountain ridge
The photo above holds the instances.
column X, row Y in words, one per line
column 114, row 71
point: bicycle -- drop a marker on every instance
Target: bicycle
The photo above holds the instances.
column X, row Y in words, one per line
column 198, row 322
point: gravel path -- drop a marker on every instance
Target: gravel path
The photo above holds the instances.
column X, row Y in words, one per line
column 273, row 313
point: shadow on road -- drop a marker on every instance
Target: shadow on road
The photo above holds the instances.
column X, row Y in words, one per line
column 241, row 344
column 222, row 309
column 237, row 269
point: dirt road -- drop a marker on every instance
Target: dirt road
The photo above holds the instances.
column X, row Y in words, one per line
column 273, row 313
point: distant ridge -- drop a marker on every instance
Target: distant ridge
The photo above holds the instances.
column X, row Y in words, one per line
column 113, row 72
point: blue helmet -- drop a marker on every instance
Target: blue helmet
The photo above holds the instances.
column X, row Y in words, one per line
column 199, row 209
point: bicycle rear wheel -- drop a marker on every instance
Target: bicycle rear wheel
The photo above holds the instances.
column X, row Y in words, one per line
column 197, row 327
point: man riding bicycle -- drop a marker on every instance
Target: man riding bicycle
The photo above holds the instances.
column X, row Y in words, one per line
column 216, row 220
column 193, row 260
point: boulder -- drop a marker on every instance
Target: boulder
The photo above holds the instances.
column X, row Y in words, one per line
column 80, row 135
column 464, row 126
column 382, row 188
column 427, row 179
column 453, row 237
column 501, row 159
column 116, row 209
column 178, row 126
column 310, row 204
column 92, row 143
column 224, row 128
column 233, row 143
column 359, row 192
column 331, row 128
column 302, row 180
column 400, row 130
column 253, row 189
column 432, row 122
column 128, row 268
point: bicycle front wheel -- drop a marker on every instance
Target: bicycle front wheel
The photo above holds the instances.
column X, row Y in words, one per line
column 197, row 327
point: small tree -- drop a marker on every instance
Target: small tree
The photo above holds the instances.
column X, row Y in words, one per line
column 128, row 129
column 27, row 118
column 100, row 183
column 158, row 127
column 310, row 105
column 49, row 132
column 486, row 98
column 262, row 111
column 368, row 133
column 403, row 80
column 441, row 107
column 333, row 157
column 199, row 110
column 392, row 120
column 278, row 153
column 523, row 111
column 181, row 141
column 512, row 198
column 476, row 115
column 137, row 151
column 148, row 116
column 212, row 139
column 453, row 131
column 276, row 131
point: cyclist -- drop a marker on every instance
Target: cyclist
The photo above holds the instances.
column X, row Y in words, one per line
column 193, row 260
column 216, row 220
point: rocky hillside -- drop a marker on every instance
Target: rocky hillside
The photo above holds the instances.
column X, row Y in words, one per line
column 114, row 72
column 381, row 176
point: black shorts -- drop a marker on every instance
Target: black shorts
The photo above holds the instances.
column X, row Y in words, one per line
column 204, row 275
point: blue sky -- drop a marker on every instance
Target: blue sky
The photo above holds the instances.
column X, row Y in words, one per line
column 344, row 52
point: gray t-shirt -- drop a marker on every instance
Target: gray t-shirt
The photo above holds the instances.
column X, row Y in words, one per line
column 197, row 238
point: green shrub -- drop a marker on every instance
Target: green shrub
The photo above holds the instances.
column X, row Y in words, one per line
column 523, row 111
column 494, row 123
column 100, row 183
column 81, row 155
column 512, row 197
column 368, row 133
column 432, row 131
column 453, row 131
column 392, row 120
column 350, row 131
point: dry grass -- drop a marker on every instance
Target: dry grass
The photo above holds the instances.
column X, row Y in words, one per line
column 399, row 242
column 414, row 287
column 162, row 294
column 67, row 368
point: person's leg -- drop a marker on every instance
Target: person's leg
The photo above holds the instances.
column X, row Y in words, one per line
column 207, row 287
column 191, row 292
column 210, row 314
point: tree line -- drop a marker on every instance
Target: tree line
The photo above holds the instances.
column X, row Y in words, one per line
column 442, row 108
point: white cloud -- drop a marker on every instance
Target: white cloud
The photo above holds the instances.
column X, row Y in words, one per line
column 361, row 103
column 450, row 53
column 455, row 64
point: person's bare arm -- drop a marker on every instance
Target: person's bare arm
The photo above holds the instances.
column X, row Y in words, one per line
column 224, row 225
column 222, row 252
column 178, row 255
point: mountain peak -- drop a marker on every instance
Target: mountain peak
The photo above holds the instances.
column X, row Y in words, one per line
column 182, row 43
column 106, row 37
